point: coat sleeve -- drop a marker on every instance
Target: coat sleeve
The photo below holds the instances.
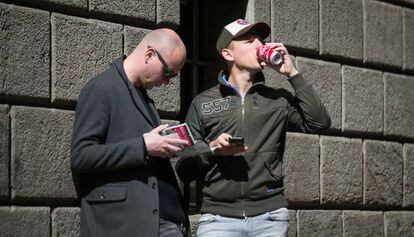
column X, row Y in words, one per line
column 191, row 167
column 306, row 111
column 89, row 151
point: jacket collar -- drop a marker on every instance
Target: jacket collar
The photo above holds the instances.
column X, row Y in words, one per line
column 224, row 75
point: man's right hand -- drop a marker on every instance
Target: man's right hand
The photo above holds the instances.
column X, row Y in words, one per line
column 162, row 146
column 222, row 147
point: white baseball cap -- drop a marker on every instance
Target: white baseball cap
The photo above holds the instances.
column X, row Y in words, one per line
column 237, row 28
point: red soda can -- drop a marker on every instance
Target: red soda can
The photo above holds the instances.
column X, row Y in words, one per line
column 269, row 55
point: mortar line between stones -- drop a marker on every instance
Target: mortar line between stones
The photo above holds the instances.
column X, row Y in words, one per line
column 50, row 222
column 9, row 154
column 271, row 20
column 320, row 171
column 383, row 219
column 363, row 173
column 320, row 27
column 384, row 97
column 402, row 39
column 123, row 39
column 363, row 30
column 342, row 98
column 343, row 223
column 50, row 58
column 403, row 176
column 297, row 222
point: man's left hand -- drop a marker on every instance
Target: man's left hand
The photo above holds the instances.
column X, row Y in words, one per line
column 286, row 67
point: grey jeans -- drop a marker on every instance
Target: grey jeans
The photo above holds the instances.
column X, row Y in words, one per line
column 269, row 224
column 171, row 229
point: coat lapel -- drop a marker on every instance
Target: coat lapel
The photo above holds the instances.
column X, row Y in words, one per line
column 132, row 91
column 151, row 106
column 156, row 114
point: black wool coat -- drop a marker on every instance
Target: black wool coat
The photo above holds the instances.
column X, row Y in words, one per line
column 117, row 183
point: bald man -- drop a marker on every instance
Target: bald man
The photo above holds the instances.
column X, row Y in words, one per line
column 126, row 184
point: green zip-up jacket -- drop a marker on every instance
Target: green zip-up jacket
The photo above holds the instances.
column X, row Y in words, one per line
column 250, row 183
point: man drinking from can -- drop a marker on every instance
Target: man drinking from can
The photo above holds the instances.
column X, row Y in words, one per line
column 243, row 181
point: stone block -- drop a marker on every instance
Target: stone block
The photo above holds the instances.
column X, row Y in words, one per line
column 319, row 223
column 40, row 160
column 341, row 171
column 362, row 100
column 25, row 221
column 4, row 152
column 66, row 221
column 383, row 173
column 382, row 33
column 168, row 13
column 132, row 37
column 292, row 229
column 296, row 23
column 408, row 179
column 408, row 36
column 24, row 52
column 277, row 80
column 142, row 10
column 363, row 223
column 399, row 223
column 399, row 105
column 259, row 11
column 72, row 3
column 325, row 77
column 167, row 98
column 301, row 168
column 170, row 122
column 81, row 49
column 341, row 28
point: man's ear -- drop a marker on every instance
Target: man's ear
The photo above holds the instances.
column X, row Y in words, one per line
column 227, row 55
column 149, row 55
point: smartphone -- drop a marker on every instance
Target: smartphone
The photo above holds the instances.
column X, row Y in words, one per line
column 236, row 140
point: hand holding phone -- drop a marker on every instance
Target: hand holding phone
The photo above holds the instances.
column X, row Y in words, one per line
column 239, row 141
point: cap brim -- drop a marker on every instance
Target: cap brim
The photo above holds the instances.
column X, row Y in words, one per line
column 225, row 37
column 260, row 27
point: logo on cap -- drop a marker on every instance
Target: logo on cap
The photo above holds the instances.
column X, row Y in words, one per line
column 242, row 22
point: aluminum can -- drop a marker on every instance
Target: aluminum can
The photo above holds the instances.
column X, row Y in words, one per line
column 269, row 55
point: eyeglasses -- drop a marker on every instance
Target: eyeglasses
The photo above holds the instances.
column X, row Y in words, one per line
column 168, row 73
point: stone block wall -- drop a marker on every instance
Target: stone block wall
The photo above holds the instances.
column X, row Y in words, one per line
column 355, row 179
column 48, row 50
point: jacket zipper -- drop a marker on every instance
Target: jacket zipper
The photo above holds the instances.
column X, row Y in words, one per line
column 242, row 184
column 242, row 188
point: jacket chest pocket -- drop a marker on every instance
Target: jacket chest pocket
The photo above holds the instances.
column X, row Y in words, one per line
column 107, row 194
column 216, row 124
